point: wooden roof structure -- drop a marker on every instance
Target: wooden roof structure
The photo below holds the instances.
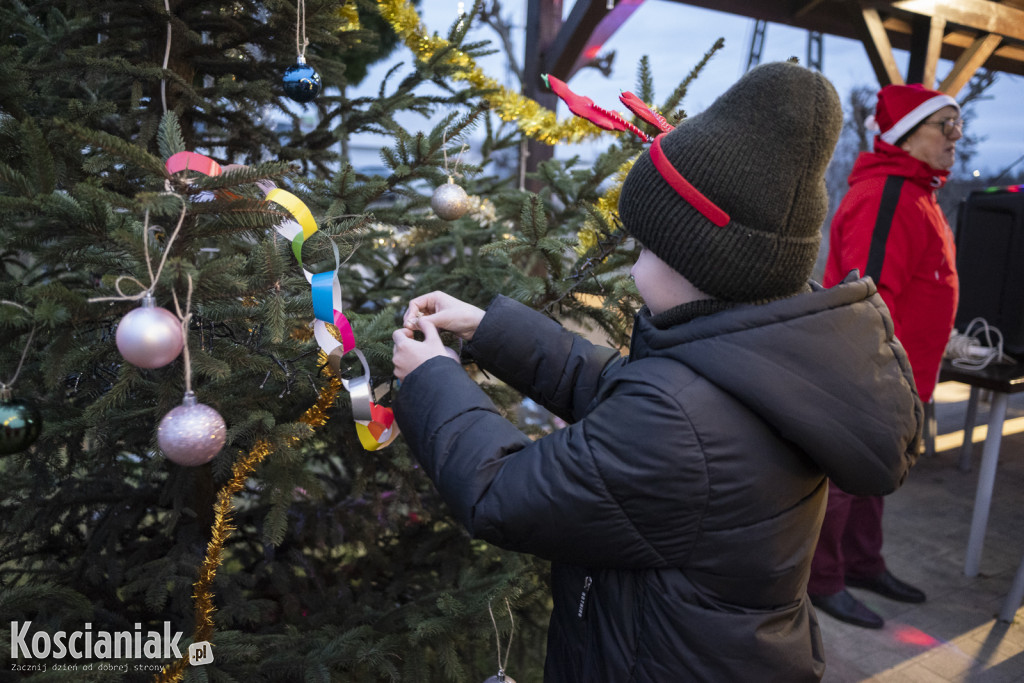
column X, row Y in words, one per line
column 970, row 33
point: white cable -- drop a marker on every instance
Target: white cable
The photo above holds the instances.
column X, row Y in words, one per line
column 978, row 346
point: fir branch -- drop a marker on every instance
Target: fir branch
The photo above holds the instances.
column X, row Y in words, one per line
column 25, row 599
column 169, row 138
column 275, row 523
column 115, row 146
column 645, row 80
column 19, row 183
column 679, row 93
column 39, row 158
column 239, row 176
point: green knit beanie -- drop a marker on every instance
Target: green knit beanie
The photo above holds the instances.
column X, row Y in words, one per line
column 759, row 153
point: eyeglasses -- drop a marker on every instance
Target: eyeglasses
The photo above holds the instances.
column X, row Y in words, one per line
column 948, row 125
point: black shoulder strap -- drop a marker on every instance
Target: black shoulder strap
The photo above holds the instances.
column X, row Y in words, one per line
column 886, row 211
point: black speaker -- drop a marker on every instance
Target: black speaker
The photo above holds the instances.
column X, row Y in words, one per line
column 990, row 263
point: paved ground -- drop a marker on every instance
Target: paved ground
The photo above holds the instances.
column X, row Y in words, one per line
column 955, row 635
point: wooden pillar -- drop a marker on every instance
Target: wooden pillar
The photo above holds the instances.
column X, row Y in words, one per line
column 925, row 46
column 543, row 20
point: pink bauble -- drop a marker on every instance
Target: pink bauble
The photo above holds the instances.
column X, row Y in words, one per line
column 149, row 336
column 191, row 434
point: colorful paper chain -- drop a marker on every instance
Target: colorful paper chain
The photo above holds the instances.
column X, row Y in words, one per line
column 375, row 424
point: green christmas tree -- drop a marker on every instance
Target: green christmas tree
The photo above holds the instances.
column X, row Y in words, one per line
column 295, row 551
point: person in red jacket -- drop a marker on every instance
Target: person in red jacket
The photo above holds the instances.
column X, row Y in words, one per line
column 890, row 228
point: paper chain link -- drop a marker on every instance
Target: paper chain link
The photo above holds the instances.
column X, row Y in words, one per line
column 375, row 424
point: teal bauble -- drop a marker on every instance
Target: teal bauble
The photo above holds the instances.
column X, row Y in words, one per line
column 20, row 424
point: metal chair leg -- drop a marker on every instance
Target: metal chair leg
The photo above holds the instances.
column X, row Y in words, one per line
column 968, row 445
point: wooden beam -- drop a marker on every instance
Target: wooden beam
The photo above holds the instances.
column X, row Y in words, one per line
column 572, row 37
column 981, row 15
column 969, row 62
column 925, row 48
column 543, row 20
column 1014, row 51
column 879, row 49
column 936, row 32
column 1008, row 56
column 807, row 7
column 842, row 18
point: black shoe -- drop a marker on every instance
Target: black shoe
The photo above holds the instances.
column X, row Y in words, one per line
column 889, row 586
column 845, row 607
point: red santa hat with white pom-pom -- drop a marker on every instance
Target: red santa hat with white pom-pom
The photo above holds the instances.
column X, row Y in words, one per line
column 901, row 107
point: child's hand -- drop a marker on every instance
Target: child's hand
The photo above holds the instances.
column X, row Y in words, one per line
column 445, row 312
column 409, row 354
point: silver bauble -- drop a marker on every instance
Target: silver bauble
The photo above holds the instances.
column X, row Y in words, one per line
column 450, row 201
column 149, row 336
column 192, row 433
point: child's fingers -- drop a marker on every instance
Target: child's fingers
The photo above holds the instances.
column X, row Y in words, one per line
column 419, row 307
column 412, row 313
column 429, row 330
column 401, row 335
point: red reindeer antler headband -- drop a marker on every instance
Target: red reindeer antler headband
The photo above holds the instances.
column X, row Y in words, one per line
column 584, row 107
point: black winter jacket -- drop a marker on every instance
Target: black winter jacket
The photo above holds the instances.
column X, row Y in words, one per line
column 682, row 504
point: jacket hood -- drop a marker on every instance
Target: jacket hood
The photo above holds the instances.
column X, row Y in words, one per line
column 823, row 369
column 889, row 160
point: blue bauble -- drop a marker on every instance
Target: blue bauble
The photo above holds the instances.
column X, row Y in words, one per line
column 301, row 82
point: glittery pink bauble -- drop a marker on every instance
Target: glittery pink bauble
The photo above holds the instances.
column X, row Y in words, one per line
column 192, row 433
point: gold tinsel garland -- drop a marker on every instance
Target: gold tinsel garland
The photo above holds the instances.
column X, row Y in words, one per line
column 607, row 207
column 202, row 590
column 349, row 15
column 533, row 119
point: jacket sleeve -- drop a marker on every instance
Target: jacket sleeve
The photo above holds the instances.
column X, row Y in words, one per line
column 590, row 493
column 539, row 358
